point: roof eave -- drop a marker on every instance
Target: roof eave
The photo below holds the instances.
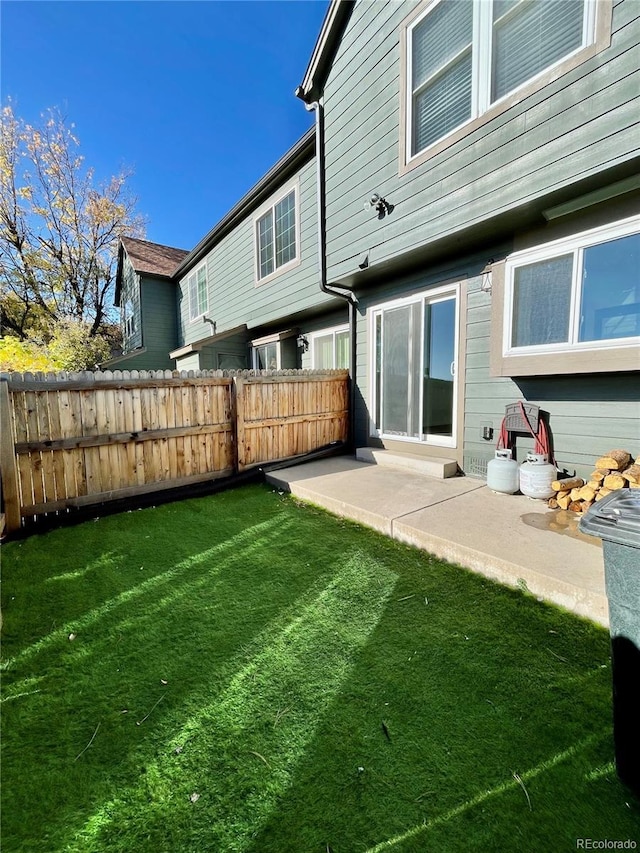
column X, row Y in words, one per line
column 118, row 290
column 148, row 274
column 335, row 21
column 299, row 153
column 208, row 340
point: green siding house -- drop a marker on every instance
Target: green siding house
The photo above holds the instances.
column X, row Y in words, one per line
column 481, row 182
column 247, row 296
column 248, row 292
column 461, row 228
column 146, row 296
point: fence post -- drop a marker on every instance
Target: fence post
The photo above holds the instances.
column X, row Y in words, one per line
column 238, row 387
column 8, row 467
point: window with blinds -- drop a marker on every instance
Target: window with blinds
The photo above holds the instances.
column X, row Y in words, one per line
column 466, row 55
column 330, row 349
column 441, row 67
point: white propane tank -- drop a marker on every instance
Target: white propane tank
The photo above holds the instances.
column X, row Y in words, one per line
column 502, row 473
column 536, row 476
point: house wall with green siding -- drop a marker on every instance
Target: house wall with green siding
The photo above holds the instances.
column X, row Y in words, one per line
column 587, row 414
column 234, row 296
column 229, row 354
column 189, row 362
column 160, row 324
column 319, row 325
column 572, row 128
column 130, row 296
column 156, row 329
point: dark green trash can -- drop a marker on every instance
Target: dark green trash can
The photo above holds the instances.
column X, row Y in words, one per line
column 616, row 520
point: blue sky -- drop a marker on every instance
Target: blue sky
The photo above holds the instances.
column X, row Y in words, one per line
column 195, row 97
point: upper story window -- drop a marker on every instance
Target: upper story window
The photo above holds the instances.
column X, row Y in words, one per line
column 198, row 295
column 464, row 56
column 128, row 318
column 129, row 302
column 578, row 293
column 276, row 234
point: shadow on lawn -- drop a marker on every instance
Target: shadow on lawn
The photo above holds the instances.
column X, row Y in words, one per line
column 476, row 744
column 169, row 645
column 223, row 749
column 321, row 690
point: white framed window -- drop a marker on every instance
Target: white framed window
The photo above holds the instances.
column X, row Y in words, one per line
column 266, row 356
column 465, row 56
column 330, row 349
column 277, row 237
column 578, row 293
column 413, row 357
column 198, row 295
column 128, row 319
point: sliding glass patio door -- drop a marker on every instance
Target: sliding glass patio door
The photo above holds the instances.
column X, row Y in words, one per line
column 415, row 353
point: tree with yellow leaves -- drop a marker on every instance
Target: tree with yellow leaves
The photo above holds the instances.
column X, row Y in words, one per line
column 59, row 231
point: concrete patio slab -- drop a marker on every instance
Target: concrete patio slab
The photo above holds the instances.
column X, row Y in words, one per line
column 508, row 538
column 370, row 494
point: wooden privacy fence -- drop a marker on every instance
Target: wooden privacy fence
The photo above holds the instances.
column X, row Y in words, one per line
column 71, row 440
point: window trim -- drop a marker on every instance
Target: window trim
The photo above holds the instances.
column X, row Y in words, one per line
column 600, row 14
column 270, row 205
column 576, row 243
column 323, row 333
column 619, row 355
column 131, row 296
column 264, row 342
column 128, row 319
column 190, row 275
column 435, row 294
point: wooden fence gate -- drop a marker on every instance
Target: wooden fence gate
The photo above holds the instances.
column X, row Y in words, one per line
column 71, row 440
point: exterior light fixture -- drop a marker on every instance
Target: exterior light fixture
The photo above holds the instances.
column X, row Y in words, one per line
column 303, row 343
column 381, row 204
column 487, row 274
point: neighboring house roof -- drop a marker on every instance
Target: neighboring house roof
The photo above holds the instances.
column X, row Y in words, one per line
column 300, row 153
column 152, row 258
column 333, row 27
column 147, row 259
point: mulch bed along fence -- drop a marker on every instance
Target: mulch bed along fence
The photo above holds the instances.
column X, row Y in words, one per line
column 69, row 440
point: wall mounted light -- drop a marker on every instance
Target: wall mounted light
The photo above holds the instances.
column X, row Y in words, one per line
column 303, row 343
column 381, row 205
column 487, row 275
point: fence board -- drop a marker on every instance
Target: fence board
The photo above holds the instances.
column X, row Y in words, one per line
column 58, row 460
column 10, row 477
column 280, row 419
column 73, row 440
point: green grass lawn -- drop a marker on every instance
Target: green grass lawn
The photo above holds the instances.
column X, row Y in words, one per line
column 241, row 673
